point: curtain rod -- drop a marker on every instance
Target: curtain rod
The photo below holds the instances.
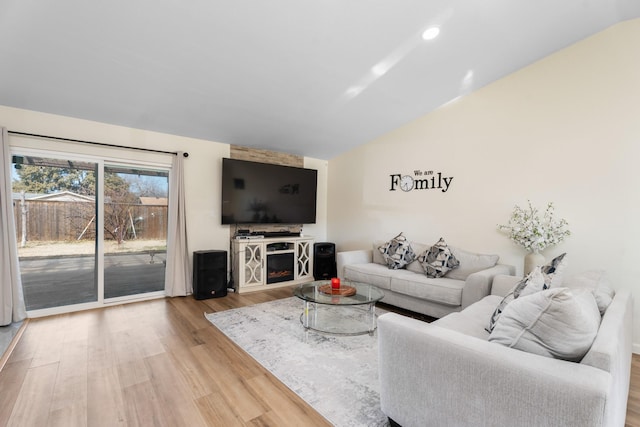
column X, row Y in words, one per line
column 95, row 143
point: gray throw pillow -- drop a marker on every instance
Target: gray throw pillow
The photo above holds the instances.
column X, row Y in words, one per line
column 560, row 323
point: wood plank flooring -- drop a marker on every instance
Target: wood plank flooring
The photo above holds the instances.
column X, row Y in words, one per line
column 155, row 363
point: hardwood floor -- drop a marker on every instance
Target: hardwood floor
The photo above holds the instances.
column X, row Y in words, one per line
column 155, row 363
column 633, row 403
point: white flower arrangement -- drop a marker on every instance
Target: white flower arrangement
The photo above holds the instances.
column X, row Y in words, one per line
column 535, row 233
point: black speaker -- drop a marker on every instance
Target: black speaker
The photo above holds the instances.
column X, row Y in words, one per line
column 324, row 261
column 209, row 274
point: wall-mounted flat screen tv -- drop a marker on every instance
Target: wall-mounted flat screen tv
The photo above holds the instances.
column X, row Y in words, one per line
column 262, row 193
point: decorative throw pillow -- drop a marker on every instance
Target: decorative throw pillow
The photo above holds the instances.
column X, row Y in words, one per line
column 534, row 282
column 560, row 323
column 438, row 260
column 554, row 270
column 397, row 252
column 499, row 309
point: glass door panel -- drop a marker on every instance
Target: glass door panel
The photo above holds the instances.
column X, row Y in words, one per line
column 135, row 230
column 55, row 213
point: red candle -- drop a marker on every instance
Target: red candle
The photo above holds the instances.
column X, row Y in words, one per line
column 335, row 283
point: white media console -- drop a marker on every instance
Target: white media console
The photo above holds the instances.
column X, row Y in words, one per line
column 271, row 262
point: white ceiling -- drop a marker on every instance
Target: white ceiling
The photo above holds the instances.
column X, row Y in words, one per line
column 297, row 76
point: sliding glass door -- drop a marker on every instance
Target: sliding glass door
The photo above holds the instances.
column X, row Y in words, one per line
column 55, row 212
column 88, row 231
column 135, row 230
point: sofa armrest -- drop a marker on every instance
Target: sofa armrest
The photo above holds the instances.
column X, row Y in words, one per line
column 362, row 256
column 478, row 284
column 432, row 376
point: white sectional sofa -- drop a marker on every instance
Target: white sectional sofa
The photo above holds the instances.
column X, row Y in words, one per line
column 411, row 289
column 448, row 373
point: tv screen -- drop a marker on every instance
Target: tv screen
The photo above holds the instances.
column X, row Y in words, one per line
column 262, row 193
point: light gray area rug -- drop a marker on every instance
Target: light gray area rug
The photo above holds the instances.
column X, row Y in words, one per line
column 336, row 375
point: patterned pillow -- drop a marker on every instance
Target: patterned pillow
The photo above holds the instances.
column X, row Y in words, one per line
column 553, row 271
column 438, row 260
column 536, row 281
column 397, row 252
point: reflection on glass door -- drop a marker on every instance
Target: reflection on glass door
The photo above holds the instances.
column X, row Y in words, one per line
column 54, row 204
column 135, row 230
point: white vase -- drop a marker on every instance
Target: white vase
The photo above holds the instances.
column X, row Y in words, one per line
column 531, row 260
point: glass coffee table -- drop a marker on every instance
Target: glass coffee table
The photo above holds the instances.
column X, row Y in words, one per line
column 332, row 312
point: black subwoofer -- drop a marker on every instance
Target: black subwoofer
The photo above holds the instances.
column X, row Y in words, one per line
column 324, row 261
column 209, row 274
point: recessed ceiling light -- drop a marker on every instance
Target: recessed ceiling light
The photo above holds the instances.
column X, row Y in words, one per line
column 430, row 33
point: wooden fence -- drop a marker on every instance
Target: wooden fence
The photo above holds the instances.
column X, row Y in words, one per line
column 67, row 221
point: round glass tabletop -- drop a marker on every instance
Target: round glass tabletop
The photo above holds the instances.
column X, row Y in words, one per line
column 318, row 293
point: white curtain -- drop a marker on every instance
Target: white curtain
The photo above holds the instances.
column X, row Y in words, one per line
column 12, row 308
column 178, row 279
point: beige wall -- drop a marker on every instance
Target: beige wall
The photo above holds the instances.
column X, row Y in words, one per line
column 202, row 167
column 565, row 130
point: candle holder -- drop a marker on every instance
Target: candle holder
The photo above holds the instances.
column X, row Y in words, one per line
column 335, row 283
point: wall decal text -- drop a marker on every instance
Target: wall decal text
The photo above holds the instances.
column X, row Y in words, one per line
column 421, row 180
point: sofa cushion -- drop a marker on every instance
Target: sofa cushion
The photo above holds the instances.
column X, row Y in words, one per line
column 377, row 256
column 597, row 282
column 441, row 290
column 438, row 260
column 470, row 262
column 416, row 265
column 560, row 323
column 397, row 252
column 374, row 274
